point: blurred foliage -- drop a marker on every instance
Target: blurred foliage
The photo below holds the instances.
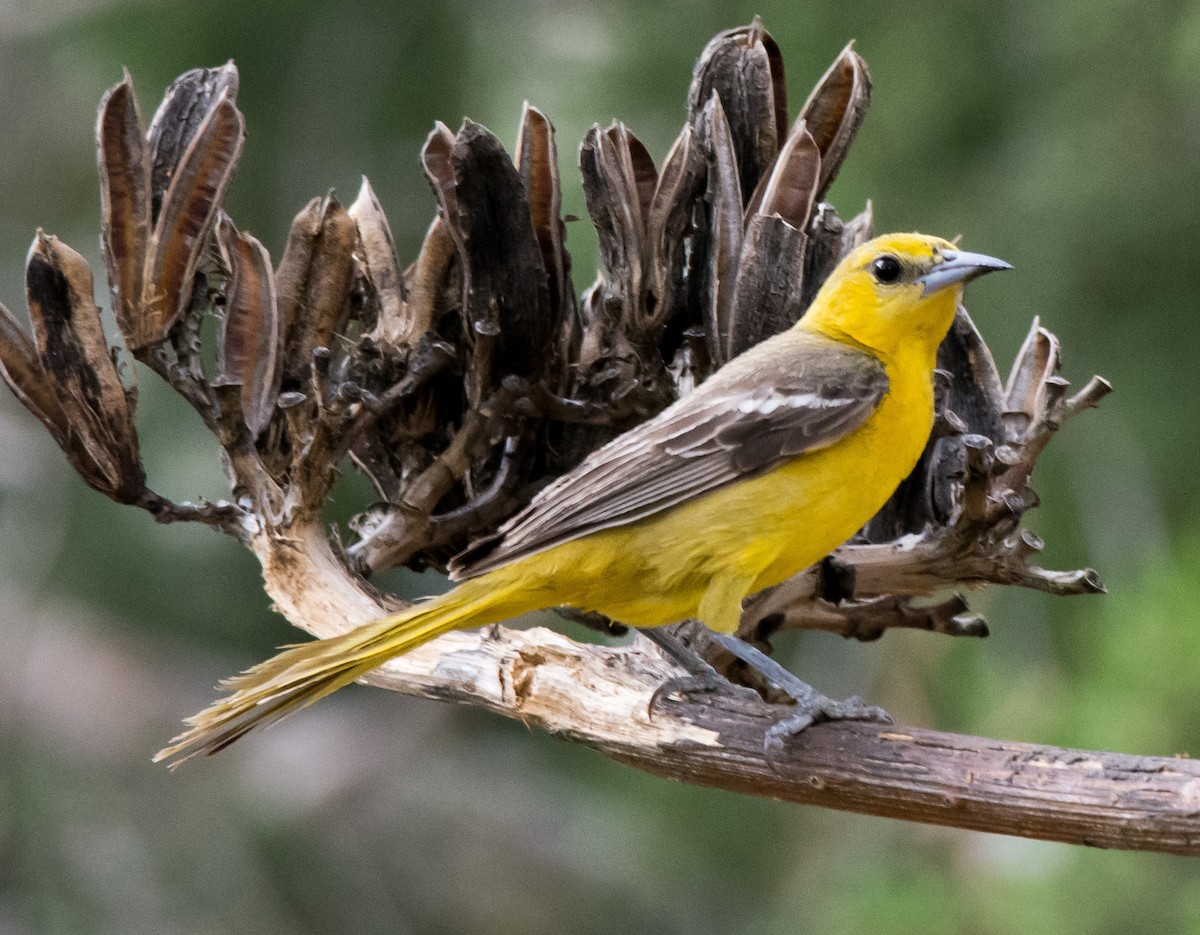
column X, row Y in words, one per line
column 1063, row 137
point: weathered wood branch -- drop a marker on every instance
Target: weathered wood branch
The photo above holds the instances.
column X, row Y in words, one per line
column 600, row 696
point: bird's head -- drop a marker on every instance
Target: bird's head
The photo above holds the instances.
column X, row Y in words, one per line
column 897, row 291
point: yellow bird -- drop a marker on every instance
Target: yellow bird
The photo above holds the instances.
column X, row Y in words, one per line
column 773, row 462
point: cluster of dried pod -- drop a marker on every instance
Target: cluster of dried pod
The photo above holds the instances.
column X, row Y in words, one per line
column 465, row 382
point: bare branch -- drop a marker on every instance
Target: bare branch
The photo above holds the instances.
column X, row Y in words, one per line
column 600, row 696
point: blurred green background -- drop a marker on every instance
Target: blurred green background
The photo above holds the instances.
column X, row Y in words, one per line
column 1062, row 137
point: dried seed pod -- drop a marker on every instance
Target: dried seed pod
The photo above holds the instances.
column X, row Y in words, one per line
column 250, row 342
column 835, row 110
column 724, row 241
column 506, row 300
column 789, row 190
column 978, row 459
column 23, row 373
column 292, row 273
column 769, row 281
column 771, row 274
column 426, row 275
column 76, row 360
column 1036, row 361
column 590, row 349
column 667, row 221
column 443, row 250
column 825, row 236
column 614, row 202
column 189, row 209
column 1087, row 397
column 394, row 326
column 123, row 160
column 637, row 164
column 537, row 163
column 744, row 67
column 435, row 158
column 183, row 111
column 830, row 239
column 319, row 274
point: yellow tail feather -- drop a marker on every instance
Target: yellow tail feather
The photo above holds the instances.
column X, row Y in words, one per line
column 306, row 672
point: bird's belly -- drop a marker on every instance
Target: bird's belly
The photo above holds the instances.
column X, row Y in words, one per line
column 762, row 530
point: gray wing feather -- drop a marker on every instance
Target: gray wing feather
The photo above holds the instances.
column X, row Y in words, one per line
column 748, row 418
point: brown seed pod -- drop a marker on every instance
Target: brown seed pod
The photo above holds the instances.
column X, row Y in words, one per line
column 250, row 341
column 667, row 221
column 744, row 67
column 23, row 373
column 394, row 325
column 77, row 363
column 771, row 267
column 1037, row 360
column 319, row 274
column 123, row 159
column 834, row 111
column 724, row 231
column 611, row 161
column 185, row 107
column 789, row 190
column 506, row 299
column 536, row 159
column 189, row 209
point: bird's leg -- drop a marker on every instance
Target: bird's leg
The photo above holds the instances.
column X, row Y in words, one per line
column 811, row 705
column 720, row 609
column 700, row 678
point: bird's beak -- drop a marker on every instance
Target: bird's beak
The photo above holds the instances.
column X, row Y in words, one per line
column 956, row 266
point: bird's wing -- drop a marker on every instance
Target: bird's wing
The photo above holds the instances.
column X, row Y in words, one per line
column 738, row 424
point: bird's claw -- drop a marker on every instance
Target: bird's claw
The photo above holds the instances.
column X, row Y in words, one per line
column 693, row 684
column 816, row 708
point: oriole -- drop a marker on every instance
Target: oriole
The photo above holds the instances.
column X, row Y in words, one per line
column 774, row 461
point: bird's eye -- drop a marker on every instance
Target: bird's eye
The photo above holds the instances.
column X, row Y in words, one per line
column 887, row 269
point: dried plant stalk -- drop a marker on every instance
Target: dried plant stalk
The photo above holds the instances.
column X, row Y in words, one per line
column 468, row 381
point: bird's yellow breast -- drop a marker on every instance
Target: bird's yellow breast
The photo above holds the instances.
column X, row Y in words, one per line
column 761, row 530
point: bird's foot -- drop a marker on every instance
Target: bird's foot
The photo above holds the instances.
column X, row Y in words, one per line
column 685, row 685
column 701, row 678
column 815, row 708
column 810, row 708
column 811, row 705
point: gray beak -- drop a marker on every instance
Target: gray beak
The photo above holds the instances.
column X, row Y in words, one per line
column 959, row 266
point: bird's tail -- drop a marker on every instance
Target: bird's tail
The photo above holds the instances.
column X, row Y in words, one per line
column 307, row 672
